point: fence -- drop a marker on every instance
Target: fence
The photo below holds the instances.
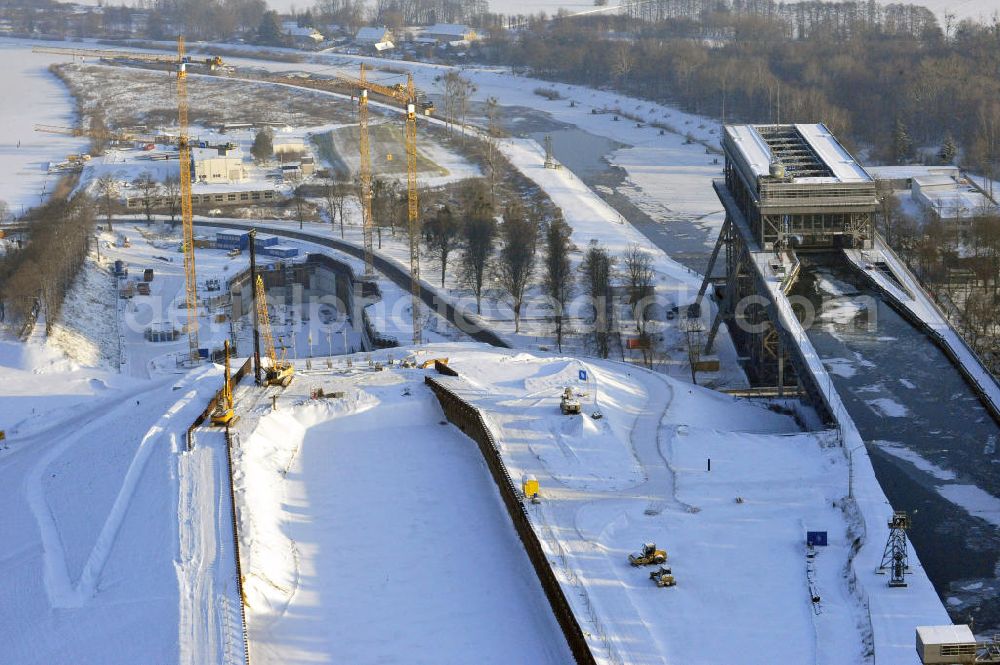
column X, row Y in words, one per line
column 469, row 419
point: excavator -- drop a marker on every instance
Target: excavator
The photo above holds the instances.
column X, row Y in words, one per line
column 279, row 372
column 223, row 414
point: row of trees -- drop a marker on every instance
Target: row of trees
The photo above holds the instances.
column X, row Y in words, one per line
column 42, row 270
column 863, row 68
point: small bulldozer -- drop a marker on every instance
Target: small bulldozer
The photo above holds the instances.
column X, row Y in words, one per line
column 649, row 555
column 663, row 577
column 569, row 404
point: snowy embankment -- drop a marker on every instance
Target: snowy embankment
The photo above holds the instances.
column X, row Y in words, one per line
column 90, row 494
column 735, row 534
column 894, row 613
column 919, row 303
column 371, row 533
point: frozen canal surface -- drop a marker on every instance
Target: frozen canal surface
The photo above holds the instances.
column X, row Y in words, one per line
column 928, row 433
column 31, row 94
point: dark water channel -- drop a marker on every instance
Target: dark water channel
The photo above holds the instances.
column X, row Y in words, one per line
column 907, row 398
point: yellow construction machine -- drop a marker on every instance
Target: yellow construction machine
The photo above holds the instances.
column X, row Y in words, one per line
column 223, row 414
column 278, row 372
column 432, row 361
column 663, row 577
column 647, row 556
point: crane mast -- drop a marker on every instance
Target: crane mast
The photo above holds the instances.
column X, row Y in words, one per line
column 365, row 176
column 187, row 215
column 413, row 207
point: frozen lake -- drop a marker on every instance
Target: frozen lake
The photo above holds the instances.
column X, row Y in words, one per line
column 31, row 95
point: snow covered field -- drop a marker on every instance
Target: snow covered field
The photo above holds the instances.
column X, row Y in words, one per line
column 735, row 535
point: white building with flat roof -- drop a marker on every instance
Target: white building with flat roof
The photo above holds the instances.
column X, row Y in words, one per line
column 222, row 165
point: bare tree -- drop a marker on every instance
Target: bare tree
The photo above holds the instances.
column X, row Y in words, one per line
column 107, row 194
column 441, row 235
column 172, row 192
column 148, row 188
column 493, row 134
column 479, row 231
column 334, row 194
column 519, row 240
column 299, row 201
column 457, row 90
column 639, row 272
column 596, row 269
column 558, row 279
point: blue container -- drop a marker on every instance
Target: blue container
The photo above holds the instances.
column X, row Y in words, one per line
column 232, row 240
column 121, row 270
column 263, row 241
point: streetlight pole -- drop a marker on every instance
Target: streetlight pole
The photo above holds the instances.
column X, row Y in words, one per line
column 850, row 472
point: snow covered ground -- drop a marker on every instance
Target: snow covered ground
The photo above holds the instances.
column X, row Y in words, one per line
column 89, row 479
column 372, row 534
column 735, row 535
column 25, row 153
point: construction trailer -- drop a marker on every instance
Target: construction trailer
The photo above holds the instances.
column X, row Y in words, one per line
column 946, row 645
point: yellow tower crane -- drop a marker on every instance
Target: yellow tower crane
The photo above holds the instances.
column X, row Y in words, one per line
column 212, row 62
column 407, row 96
column 187, row 214
column 413, row 207
column 279, row 372
column 187, row 217
column 365, row 175
column 122, row 136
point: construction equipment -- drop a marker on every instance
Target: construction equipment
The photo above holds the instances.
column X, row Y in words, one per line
column 569, row 404
column 223, row 414
column 663, row 577
column 407, row 96
column 647, row 556
column 433, row 361
column 187, row 217
column 212, row 62
column 279, row 372
column 365, row 175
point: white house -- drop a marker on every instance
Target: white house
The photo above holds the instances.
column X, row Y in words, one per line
column 450, row 32
column 307, row 35
column 374, row 37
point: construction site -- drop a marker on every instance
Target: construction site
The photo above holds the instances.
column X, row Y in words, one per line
column 277, row 405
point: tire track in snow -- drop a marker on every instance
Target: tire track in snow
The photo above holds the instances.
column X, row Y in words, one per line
column 61, row 589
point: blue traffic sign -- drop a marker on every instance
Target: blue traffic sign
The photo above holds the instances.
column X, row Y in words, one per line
column 816, row 538
column 583, row 375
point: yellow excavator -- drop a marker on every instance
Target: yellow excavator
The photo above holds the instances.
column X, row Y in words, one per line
column 223, row 414
column 279, row 372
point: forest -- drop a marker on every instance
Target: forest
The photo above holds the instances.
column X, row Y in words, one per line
column 889, row 79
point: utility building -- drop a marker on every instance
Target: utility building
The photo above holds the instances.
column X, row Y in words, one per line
column 222, row 165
